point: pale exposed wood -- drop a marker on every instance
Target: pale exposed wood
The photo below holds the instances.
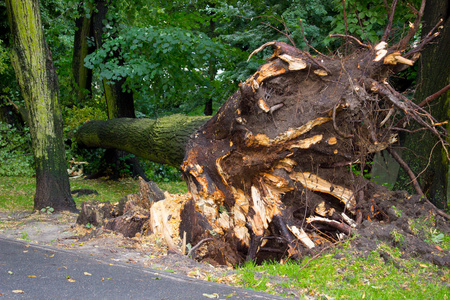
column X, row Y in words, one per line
column 281, row 184
column 380, row 46
column 293, row 133
column 268, row 70
column 183, row 245
column 332, row 141
column 338, row 225
column 306, row 143
column 315, row 183
column 287, row 164
column 320, row 72
column 301, row 235
column 380, row 55
column 259, row 220
column 263, row 105
column 321, row 210
column 295, row 63
column 395, row 57
column 348, row 220
column 163, row 226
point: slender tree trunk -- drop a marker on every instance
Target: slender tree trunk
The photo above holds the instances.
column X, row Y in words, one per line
column 433, row 75
column 212, row 71
column 37, row 78
column 82, row 75
column 119, row 103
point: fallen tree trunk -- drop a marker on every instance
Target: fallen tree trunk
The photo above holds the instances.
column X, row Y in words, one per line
column 161, row 140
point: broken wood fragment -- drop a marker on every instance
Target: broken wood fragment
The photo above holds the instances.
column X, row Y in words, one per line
column 315, row 183
column 335, row 224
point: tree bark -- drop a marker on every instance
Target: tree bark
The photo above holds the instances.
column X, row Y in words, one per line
column 433, row 75
column 212, row 69
column 82, row 75
column 162, row 140
column 119, row 104
column 37, row 78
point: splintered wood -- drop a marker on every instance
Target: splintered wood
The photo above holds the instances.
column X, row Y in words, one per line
column 315, row 183
column 271, row 172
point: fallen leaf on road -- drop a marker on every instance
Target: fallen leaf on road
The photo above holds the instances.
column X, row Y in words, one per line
column 25, row 251
column 18, row 291
column 70, row 279
column 87, row 274
column 32, row 276
column 10, row 272
column 215, row 295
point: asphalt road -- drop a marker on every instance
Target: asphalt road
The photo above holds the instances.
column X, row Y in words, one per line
column 32, row 271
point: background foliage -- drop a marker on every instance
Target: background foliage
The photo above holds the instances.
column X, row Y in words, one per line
column 175, row 56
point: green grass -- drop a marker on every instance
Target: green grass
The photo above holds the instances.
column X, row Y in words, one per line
column 352, row 278
column 17, row 193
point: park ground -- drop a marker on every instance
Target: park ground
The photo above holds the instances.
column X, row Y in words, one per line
column 382, row 261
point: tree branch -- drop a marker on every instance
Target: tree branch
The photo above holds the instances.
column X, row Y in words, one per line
column 350, row 37
column 407, row 169
column 434, row 96
column 412, row 28
column 387, row 32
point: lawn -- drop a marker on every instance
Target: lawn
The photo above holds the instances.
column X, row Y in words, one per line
column 341, row 275
column 17, row 193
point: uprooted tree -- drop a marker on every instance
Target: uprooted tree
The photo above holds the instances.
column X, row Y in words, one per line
column 269, row 173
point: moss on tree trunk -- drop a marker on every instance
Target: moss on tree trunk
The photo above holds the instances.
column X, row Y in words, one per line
column 161, row 140
column 433, row 75
column 37, row 78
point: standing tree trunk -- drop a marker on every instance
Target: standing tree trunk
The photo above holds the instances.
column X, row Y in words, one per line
column 212, row 69
column 433, row 75
column 82, row 75
column 37, row 78
column 119, row 104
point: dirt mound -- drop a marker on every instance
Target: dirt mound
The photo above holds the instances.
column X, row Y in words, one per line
column 406, row 222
